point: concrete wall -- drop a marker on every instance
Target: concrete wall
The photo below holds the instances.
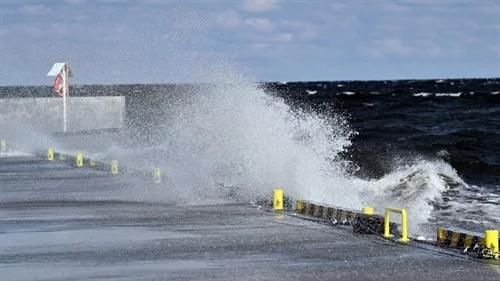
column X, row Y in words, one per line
column 84, row 113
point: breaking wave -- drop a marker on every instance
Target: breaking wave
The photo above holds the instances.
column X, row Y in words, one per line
column 235, row 136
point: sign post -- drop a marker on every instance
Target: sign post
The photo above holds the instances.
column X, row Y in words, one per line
column 65, row 98
column 62, row 72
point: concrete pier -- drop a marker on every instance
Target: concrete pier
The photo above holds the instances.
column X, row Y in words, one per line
column 46, row 114
column 62, row 223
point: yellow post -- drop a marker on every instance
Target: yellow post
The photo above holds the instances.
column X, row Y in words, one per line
column 3, row 146
column 114, row 167
column 299, row 206
column 278, row 200
column 79, row 159
column 387, row 227
column 404, row 227
column 491, row 240
column 368, row 211
column 157, row 175
column 50, row 154
column 404, row 224
column 441, row 236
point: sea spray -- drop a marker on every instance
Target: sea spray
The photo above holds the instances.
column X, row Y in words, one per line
column 231, row 133
column 236, row 134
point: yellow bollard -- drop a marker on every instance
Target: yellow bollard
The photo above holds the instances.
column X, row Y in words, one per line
column 368, row 211
column 114, row 167
column 404, row 224
column 79, row 160
column 3, row 146
column 50, row 154
column 278, row 200
column 157, row 175
column 491, row 240
column 299, row 206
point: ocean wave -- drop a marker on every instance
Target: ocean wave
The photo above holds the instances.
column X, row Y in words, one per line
column 422, row 94
column 237, row 134
column 415, row 187
column 448, row 94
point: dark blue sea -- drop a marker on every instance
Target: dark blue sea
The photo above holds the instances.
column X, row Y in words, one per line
column 407, row 133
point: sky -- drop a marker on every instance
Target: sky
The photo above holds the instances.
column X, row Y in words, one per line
column 127, row 42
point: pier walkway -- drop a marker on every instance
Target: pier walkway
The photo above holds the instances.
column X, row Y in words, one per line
column 62, row 223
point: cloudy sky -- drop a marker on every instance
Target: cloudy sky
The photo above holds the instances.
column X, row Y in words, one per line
column 108, row 42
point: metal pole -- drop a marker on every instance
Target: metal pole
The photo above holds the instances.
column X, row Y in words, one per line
column 65, row 93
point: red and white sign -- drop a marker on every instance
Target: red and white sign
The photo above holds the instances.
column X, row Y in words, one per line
column 59, row 85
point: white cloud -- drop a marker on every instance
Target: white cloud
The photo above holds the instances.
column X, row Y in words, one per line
column 260, row 5
column 303, row 30
column 387, row 46
column 228, row 19
column 260, row 24
column 272, row 41
column 261, row 45
column 395, row 47
column 338, row 6
column 283, row 37
column 76, row 2
column 34, row 9
column 395, row 7
column 496, row 51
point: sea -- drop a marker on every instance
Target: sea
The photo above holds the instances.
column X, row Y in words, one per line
column 432, row 146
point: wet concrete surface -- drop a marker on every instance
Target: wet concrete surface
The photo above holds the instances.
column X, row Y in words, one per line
column 62, row 223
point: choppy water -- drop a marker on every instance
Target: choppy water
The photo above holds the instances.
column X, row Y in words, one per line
column 442, row 135
column 431, row 146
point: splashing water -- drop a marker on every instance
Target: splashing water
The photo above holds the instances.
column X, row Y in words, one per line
column 233, row 134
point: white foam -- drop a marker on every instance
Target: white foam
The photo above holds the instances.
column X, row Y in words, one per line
column 448, row 94
column 237, row 134
column 412, row 187
column 13, row 153
column 348, row 93
column 422, row 94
